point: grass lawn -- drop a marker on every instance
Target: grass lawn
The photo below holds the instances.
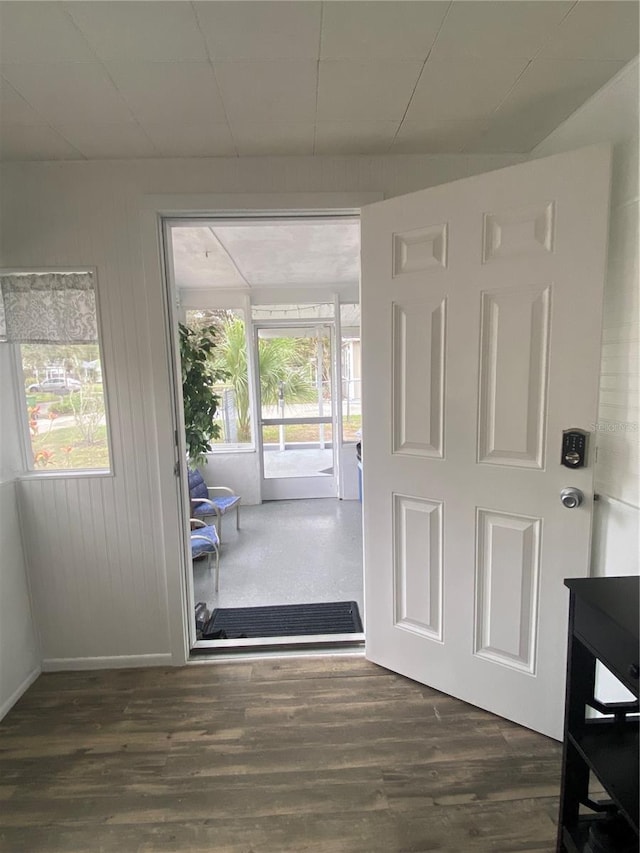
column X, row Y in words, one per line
column 350, row 427
column 55, row 443
column 311, row 432
column 64, row 448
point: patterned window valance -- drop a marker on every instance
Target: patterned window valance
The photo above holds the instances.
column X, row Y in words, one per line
column 48, row 308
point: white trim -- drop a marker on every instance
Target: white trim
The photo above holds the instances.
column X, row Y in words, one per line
column 299, row 640
column 247, row 447
column 293, row 421
column 20, row 402
column 113, row 662
column 273, row 654
column 336, row 393
column 173, row 315
column 64, row 474
column 8, row 704
column 241, row 219
column 202, row 205
column 153, row 209
column 165, row 412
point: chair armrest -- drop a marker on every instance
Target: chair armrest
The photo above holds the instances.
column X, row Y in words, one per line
column 221, row 489
column 198, row 501
column 196, row 523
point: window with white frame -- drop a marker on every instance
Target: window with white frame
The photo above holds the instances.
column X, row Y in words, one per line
column 51, row 319
column 229, row 357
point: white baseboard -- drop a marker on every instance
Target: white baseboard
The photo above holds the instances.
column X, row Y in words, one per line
column 26, row 684
column 115, row 662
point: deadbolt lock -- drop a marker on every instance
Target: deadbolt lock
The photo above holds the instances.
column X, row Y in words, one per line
column 574, row 448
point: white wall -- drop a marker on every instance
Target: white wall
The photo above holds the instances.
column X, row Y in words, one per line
column 239, row 471
column 611, row 115
column 106, row 586
column 19, row 652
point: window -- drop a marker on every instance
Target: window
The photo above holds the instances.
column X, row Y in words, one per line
column 51, row 319
column 230, row 357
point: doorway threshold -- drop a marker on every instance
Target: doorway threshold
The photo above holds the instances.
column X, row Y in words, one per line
column 316, row 643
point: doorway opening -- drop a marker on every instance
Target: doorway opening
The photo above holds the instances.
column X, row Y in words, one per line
column 296, row 415
column 283, row 295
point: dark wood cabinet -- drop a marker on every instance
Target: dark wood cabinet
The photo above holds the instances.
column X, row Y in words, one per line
column 603, row 626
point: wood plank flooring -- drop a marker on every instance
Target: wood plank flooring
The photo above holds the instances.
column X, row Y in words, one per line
column 308, row 755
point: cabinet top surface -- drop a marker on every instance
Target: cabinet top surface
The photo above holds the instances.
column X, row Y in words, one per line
column 617, row 598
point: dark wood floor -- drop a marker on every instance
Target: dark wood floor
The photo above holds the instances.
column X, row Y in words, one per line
column 308, row 755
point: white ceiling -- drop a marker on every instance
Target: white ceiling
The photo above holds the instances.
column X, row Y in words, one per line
column 295, row 253
column 103, row 80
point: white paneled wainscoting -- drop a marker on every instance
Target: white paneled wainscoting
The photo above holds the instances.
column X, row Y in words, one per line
column 97, row 574
column 19, row 651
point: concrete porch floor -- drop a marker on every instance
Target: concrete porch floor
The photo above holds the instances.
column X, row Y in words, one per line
column 298, row 462
column 288, row 552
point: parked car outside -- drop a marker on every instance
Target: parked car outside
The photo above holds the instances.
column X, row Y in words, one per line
column 56, row 386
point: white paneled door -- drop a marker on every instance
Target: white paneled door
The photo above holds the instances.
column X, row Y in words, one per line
column 481, row 318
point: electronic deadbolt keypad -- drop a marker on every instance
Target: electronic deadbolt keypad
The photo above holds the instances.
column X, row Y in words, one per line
column 574, row 448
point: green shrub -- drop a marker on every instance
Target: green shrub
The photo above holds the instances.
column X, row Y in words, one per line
column 64, row 405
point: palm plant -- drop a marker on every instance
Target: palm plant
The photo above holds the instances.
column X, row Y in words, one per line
column 231, row 356
column 282, row 366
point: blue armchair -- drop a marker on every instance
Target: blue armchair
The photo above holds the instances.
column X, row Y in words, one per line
column 205, row 543
column 212, row 501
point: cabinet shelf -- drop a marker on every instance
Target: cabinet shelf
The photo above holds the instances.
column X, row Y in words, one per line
column 611, row 751
column 576, row 841
column 603, row 626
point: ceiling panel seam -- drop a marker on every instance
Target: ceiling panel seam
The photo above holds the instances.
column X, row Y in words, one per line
column 215, row 78
column 411, row 96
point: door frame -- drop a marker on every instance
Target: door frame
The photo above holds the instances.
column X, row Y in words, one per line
column 272, row 490
column 168, row 433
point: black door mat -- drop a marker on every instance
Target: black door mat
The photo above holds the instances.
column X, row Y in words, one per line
column 283, row 620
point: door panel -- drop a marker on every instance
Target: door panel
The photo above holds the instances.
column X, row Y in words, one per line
column 418, row 412
column 514, row 361
column 507, row 578
column 481, row 311
column 418, row 542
